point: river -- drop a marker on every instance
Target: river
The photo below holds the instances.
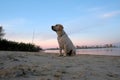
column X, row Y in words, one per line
column 99, row 51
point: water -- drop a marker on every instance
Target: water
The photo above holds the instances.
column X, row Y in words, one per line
column 100, row 51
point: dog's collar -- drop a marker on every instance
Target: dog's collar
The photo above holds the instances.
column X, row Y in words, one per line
column 63, row 33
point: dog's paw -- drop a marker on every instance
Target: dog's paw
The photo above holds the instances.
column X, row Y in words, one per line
column 60, row 55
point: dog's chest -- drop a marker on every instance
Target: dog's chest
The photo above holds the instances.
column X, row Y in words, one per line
column 63, row 39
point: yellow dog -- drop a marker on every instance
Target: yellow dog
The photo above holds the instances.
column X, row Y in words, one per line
column 64, row 41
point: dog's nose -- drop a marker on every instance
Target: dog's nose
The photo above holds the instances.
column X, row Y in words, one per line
column 53, row 28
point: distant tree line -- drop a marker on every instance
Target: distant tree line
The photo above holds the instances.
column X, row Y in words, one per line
column 1, row 32
column 97, row 46
column 15, row 46
column 7, row 45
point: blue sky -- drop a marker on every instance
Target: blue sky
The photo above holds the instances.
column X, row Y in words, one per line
column 87, row 22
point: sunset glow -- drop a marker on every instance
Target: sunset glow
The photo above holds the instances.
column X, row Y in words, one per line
column 87, row 22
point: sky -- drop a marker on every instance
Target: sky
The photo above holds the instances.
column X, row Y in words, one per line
column 87, row 22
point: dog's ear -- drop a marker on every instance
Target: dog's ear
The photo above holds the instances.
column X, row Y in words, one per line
column 60, row 27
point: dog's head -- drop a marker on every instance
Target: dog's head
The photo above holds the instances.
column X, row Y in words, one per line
column 57, row 27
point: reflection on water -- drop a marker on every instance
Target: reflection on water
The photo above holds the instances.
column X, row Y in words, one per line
column 100, row 51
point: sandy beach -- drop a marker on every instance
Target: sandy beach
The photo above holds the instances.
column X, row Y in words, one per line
column 46, row 66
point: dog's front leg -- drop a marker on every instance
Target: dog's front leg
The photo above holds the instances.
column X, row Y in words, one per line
column 61, row 52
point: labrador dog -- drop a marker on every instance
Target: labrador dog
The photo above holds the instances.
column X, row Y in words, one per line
column 64, row 41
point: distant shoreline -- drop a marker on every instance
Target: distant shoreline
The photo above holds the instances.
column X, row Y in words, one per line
column 84, row 48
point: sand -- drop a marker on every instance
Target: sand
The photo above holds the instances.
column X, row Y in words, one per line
column 46, row 66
